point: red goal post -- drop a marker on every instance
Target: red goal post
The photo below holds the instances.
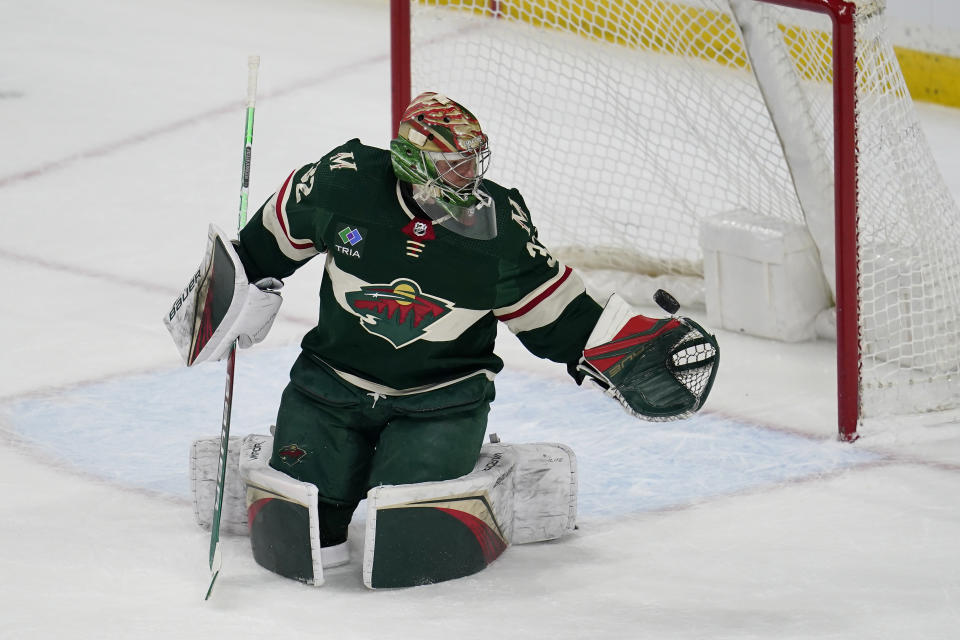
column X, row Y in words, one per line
column 842, row 14
column 857, row 68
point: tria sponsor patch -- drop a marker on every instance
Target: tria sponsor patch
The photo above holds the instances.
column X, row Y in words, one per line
column 351, row 241
column 398, row 312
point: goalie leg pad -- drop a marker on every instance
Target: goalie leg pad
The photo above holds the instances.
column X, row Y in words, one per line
column 434, row 531
column 283, row 518
column 204, row 466
column 264, row 503
column 545, row 492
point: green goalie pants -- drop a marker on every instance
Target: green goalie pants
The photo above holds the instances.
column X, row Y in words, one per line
column 346, row 440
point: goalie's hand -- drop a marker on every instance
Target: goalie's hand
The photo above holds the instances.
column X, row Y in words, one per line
column 219, row 305
column 263, row 303
column 658, row 369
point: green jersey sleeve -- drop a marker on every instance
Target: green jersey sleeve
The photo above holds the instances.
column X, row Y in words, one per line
column 542, row 301
column 289, row 228
column 286, row 231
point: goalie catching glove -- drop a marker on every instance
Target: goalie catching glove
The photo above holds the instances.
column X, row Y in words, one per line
column 219, row 305
column 658, row 369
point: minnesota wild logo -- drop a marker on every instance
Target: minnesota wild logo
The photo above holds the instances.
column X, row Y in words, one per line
column 292, row 454
column 398, row 312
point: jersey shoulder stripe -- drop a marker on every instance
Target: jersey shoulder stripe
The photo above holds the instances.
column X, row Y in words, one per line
column 544, row 304
column 275, row 220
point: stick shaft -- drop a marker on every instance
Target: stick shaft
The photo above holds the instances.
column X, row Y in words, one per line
column 215, row 552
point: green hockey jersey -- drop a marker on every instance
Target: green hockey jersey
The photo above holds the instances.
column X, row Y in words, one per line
column 407, row 305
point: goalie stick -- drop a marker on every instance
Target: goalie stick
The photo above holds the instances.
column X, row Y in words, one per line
column 216, row 557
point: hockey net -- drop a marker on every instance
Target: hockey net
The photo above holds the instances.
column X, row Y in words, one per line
column 626, row 124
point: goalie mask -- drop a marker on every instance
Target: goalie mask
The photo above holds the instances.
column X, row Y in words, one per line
column 441, row 150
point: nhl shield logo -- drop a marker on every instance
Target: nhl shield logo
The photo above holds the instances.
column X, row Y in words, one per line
column 419, row 230
column 398, row 312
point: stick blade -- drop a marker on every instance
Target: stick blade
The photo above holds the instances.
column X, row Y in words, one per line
column 215, row 563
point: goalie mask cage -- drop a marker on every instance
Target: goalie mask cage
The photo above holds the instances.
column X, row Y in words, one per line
column 626, row 123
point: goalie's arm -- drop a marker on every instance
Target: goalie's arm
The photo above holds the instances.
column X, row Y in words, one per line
column 541, row 300
column 566, row 330
column 286, row 231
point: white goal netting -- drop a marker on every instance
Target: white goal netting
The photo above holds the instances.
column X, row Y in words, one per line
column 625, row 124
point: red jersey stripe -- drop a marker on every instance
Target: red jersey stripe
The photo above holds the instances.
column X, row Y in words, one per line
column 281, row 199
column 540, row 298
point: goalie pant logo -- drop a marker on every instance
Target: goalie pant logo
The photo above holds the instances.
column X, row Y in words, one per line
column 398, row 312
column 292, row 454
column 186, row 293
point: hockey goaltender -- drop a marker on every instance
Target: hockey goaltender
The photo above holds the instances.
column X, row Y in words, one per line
column 388, row 399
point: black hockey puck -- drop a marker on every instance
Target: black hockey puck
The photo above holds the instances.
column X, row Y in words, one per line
column 666, row 301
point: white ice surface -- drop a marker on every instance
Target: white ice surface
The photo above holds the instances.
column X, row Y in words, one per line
column 121, row 137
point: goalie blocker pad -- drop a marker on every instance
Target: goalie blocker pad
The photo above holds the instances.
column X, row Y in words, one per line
column 658, row 369
column 415, row 534
column 219, row 305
